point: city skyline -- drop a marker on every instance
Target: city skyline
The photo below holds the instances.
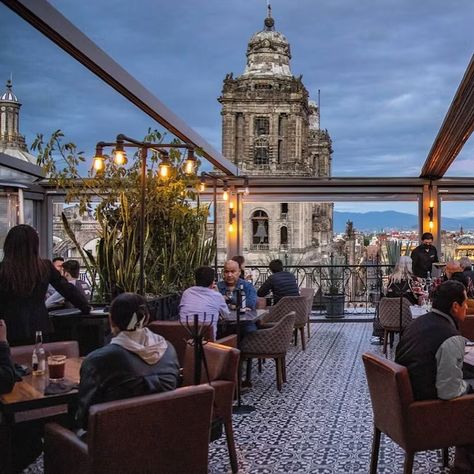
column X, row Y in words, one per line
column 387, row 73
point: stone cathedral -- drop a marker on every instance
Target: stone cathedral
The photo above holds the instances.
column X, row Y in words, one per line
column 271, row 128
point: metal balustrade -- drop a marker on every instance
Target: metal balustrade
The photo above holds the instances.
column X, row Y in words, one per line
column 361, row 285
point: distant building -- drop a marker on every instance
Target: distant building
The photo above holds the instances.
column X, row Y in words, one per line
column 271, row 128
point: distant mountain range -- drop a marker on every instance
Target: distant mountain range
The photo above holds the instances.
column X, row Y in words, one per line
column 377, row 221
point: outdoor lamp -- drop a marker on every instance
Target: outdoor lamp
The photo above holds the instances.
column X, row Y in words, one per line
column 430, row 214
column 99, row 161
column 120, row 157
column 232, row 216
column 246, row 187
column 165, row 165
column 225, row 189
column 202, row 184
column 190, row 163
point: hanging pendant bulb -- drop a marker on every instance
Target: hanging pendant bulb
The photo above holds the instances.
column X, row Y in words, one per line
column 164, row 167
column 190, row 163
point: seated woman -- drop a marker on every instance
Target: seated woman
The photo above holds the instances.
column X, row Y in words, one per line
column 402, row 282
column 136, row 362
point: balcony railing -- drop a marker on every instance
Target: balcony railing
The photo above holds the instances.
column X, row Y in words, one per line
column 361, row 285
column 259, row 246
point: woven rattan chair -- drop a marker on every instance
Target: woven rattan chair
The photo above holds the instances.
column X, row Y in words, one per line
column 391, row 312
column 298, row 304
column 271, row 343
column 308, row 293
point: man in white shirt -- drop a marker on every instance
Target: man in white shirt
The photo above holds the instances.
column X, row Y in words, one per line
column 203, row 300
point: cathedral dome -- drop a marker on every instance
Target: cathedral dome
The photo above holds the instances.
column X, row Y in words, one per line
column 8, row 95
column 268, row 52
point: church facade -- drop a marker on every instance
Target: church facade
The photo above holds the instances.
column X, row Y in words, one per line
column 270, row 127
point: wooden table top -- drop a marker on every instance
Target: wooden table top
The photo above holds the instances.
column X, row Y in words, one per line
column 30, row 391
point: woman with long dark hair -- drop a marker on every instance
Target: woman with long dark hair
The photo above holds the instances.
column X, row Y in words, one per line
column 24, row 280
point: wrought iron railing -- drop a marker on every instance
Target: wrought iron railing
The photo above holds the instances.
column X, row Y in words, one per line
column 361, row 285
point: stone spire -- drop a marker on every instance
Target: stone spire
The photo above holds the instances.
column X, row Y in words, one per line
column 268, row 52
column 11, row 141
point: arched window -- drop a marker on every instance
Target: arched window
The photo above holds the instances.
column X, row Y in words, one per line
column 260, row 228
column 284, row 235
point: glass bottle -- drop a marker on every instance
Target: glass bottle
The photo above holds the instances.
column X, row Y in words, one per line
column 243, row 299
column 38, row 359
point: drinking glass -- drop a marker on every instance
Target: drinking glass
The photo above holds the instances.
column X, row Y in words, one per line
column 56, row 366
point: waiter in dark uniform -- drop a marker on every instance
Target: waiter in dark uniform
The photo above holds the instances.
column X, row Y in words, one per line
column 424, row 256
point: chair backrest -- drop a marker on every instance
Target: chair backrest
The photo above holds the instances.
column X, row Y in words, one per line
column 308, row 293
column 466, row 327
column 273, row 340
column 391, row 394
column 298, row 304
column 389, row 312
column 22, row 354
column 178, row 335
column 165, row 433
column 222, row 362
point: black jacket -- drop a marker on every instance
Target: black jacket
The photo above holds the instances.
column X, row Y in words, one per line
column 418, row 348
column 281, row 284
column 7, row 370
column 113, row 373
column 24, row 315
column 423, row 259
column 402, row 288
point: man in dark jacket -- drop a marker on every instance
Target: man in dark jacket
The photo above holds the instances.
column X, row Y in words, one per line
column 280, row 283
column 432, row 349
column 424, row 256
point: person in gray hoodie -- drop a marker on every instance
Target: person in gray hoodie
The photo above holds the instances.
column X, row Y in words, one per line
column 136, row 362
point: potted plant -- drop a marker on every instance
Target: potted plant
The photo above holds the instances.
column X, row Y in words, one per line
column 176, row 237
column 335, row 294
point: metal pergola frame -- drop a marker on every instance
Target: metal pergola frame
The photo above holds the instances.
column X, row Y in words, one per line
column 453, row 134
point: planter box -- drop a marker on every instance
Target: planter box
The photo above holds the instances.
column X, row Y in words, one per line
column 334, row 306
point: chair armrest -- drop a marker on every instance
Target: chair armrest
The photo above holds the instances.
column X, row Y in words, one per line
column 445, row 420
column 64, row 451
column 229, row 341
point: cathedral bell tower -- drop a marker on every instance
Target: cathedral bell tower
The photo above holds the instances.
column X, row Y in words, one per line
column 271, row 128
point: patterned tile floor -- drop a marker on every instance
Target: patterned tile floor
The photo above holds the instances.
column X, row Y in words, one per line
column 321, row 422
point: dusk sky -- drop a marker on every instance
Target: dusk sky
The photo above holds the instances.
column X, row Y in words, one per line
column 387, row 71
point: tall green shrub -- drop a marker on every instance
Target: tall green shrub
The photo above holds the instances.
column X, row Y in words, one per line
column 175, row 224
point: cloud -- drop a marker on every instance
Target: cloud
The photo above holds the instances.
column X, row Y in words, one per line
column 387, row 70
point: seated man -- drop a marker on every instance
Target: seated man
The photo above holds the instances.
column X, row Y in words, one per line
column 58, row 265
column 280, row 283
column 136, row 362
column 71, row 273
column 231, row 285
column 432, row 349
column 203, row 299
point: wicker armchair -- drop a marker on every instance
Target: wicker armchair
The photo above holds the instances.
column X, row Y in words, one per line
column 308, row 293
column 298, row 304
column 391, row 312
column 271, row 343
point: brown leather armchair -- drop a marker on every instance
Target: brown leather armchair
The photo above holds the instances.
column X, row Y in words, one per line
column 22, row 354
column 413, row 425
column 165, row 433
column 178, row 335
column 223, row 364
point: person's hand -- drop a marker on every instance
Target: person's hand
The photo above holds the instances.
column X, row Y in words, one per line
column 3, row 331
